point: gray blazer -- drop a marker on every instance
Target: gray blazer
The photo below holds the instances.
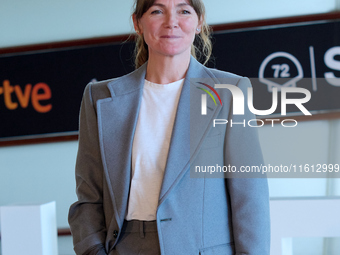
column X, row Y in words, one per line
column 195, row 215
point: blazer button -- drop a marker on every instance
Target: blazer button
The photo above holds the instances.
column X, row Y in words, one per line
column 115, row 233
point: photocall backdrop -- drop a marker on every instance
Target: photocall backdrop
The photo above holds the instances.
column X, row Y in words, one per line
column 41, row 91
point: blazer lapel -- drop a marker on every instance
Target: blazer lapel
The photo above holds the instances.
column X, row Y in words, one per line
column 190, row 127
column 117, row 119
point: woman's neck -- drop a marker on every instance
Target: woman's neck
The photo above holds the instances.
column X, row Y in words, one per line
column 164, row 70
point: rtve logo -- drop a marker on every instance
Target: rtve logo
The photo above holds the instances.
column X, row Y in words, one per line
column 36, row 94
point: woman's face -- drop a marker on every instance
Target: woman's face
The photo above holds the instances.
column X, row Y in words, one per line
column 169, row 27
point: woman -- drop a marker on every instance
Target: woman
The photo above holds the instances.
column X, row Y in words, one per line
column 141, row 133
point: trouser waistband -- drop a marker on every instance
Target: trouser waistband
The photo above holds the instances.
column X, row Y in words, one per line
column 142, row 227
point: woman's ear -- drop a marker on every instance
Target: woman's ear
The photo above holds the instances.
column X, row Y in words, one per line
column 199, row 25
column 135, row 24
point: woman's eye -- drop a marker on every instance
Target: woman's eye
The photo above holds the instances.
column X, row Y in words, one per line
column 156, row 12
column 185, row 12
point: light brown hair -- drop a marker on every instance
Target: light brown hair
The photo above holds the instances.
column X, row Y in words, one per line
column 201, row 48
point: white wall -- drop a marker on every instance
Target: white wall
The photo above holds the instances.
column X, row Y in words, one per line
column 312, row 142
column 36, row 21
column 39, row 173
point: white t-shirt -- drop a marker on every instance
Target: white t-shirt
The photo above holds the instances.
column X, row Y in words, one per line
column 150, row 147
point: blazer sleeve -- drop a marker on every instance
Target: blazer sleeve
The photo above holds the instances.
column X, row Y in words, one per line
column 249, row 196
column 86, row 216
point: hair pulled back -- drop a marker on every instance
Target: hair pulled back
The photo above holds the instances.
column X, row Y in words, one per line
column 201, row 48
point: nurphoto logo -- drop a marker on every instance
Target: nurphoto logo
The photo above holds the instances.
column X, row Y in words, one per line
column 238, row 104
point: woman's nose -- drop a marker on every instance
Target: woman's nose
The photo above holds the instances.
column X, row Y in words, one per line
column 171, row 20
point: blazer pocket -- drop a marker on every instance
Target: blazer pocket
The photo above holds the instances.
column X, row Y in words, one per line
column 211, row 141
column 225, row 249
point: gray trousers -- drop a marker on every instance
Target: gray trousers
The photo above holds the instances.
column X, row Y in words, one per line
column 138, row 238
